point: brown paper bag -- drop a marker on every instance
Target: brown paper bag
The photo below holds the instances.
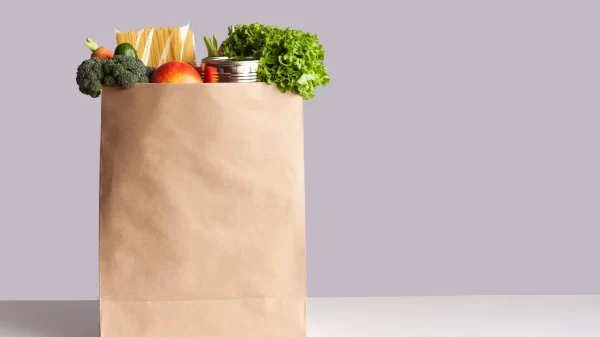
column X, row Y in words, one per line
column 202, row 224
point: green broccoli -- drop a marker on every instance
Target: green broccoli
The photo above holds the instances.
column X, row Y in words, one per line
column 124, row 71
column 121, row 71
column 89, row 77
column 150, row 71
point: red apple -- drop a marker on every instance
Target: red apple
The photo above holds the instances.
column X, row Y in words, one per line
column 176, row 72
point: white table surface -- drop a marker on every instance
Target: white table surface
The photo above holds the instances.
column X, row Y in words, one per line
column 472, row 316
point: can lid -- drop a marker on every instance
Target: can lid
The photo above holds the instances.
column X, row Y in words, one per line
column 216, row 58
column 229, row 60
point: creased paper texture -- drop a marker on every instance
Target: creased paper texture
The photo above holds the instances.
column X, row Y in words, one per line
column 202, row 213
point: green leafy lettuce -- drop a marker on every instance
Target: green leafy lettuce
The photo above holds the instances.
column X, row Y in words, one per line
column 291, row 59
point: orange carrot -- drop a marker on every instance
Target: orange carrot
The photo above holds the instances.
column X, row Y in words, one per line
column 101, row 52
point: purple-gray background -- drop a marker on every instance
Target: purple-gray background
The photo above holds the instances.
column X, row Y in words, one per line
column 455, row 152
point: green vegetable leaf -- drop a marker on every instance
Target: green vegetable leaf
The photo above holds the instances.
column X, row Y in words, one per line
column 289, row 58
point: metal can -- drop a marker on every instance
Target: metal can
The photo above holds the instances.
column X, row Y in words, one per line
column 228, row 70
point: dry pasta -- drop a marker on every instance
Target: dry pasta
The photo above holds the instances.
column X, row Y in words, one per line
column 158, row 45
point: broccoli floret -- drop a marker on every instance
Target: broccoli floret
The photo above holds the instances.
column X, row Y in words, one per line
column 89, row 77
column 109, row 80
column 150, row 71
column 124, row 71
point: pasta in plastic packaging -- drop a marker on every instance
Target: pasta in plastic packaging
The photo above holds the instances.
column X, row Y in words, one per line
column 158, row 45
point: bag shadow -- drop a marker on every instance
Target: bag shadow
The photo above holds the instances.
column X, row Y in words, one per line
column 49, row 318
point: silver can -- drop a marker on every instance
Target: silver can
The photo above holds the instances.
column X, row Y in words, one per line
column 228, row 70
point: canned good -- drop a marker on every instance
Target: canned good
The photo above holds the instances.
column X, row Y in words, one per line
column 225, row 69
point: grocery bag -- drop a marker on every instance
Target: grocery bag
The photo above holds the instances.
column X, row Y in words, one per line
column 202, row 211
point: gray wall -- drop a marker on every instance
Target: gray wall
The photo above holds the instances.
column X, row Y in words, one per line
column 455, row 151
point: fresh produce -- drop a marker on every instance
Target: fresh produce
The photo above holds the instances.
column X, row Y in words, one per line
column 212, row 46
column 126, row 49
column 291, row 59
column 101, row 52
column 124, row 71
column 149, row 72
column 176, row 72
column 230, row 31
column 121, row 71
column 89, row 77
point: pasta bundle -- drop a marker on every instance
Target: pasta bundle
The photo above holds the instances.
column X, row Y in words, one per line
column 159, row 45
